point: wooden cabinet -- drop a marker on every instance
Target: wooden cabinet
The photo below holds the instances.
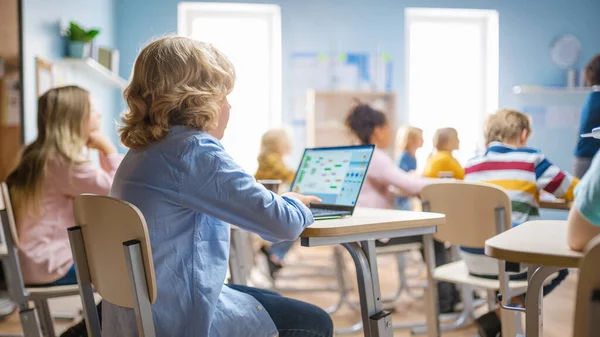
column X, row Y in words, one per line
column 10, row 144
column 10, row 95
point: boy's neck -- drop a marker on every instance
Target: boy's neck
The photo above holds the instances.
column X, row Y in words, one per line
column 412, row 152
column 513, row 143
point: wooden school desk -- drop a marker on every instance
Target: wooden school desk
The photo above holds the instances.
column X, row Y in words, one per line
column 558, row 204
column 358, row 234
column 542, row 245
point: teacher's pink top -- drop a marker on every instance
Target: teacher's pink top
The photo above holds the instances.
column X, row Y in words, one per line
column 382, row 176
column 44, row 249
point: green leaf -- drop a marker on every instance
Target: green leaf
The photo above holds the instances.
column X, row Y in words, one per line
column 77, row 33
column 90, row 35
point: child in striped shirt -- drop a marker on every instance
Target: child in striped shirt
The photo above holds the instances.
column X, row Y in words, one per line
column 523, row 172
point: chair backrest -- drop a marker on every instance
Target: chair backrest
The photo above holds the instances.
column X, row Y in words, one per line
column 5, row 204
column 472, row 211
column 587, row 319
column 106, row 224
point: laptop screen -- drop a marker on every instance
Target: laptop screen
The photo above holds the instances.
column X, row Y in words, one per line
column 333, row 174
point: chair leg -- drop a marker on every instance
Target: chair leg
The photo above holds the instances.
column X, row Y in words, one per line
column 46, row 321
column 403, row 285
column 491, row 300
column 462, row 320
column 402, row 282
column 139, row 288
column 339, row 268
column 29, row 321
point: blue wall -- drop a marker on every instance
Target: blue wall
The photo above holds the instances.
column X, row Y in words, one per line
column 527, row 27
column 526, row 31
column 41, row 38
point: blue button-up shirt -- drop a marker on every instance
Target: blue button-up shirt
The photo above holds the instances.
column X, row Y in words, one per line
column 189, row 190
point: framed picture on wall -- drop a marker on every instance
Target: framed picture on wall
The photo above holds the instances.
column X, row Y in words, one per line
column 44, row 76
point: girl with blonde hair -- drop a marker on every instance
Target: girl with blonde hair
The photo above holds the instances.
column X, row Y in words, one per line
column 275, row 144
column 408, row 140
column 52, row 171
column 441, row 162
column 189, row 190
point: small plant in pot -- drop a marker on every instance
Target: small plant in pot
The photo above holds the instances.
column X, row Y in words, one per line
column 79, row 40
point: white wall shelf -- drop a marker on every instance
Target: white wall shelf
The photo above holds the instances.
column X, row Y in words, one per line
column 93, row 68
column 532, row 89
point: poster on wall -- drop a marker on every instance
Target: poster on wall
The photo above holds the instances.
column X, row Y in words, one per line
column 346, row 71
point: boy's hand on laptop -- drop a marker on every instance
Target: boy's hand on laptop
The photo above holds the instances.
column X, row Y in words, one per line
column 305, row 199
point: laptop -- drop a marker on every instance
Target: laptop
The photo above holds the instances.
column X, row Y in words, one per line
column 335, row 175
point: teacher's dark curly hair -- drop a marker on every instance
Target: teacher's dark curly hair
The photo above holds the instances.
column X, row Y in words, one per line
column 363, row 120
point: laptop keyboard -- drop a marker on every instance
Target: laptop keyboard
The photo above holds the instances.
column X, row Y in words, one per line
column 317, row 212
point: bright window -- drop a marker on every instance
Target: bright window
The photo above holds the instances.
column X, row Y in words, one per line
column 250, row 35
column 452, row 68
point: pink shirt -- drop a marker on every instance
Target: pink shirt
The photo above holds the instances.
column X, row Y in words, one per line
column 44, row 249
column 382, row 176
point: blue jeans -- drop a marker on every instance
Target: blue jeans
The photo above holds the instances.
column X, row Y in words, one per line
column 280, row 249
column 404, row 204
column 292, row 318
column 69, row 279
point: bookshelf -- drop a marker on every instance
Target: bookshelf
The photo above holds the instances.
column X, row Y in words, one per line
column 327, row 111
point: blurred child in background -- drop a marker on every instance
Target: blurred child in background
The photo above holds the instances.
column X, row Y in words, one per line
column 275, row 145
column 441, row 162
column 408, row 140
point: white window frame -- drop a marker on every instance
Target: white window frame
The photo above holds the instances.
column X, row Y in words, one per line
column 488, row 19
column 187, row 11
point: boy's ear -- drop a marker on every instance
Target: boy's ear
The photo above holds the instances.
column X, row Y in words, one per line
column 524, row 136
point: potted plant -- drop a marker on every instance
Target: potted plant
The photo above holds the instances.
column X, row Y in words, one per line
column 79, row 40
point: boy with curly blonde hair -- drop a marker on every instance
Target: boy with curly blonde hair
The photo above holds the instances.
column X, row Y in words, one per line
column 190, row 190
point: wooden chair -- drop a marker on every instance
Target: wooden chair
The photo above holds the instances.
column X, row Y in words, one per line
column 587, row 304
column 474, row 213
column 111, row 249
column 36, row 320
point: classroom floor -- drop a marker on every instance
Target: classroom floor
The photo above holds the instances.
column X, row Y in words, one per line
column 558, row 306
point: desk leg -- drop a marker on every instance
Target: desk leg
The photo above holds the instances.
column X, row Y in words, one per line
column 376, row 322
column 431, row 295
column 536, row 276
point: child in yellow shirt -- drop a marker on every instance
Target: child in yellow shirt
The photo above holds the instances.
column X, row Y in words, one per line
column 275, row 144
column 441, row 162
